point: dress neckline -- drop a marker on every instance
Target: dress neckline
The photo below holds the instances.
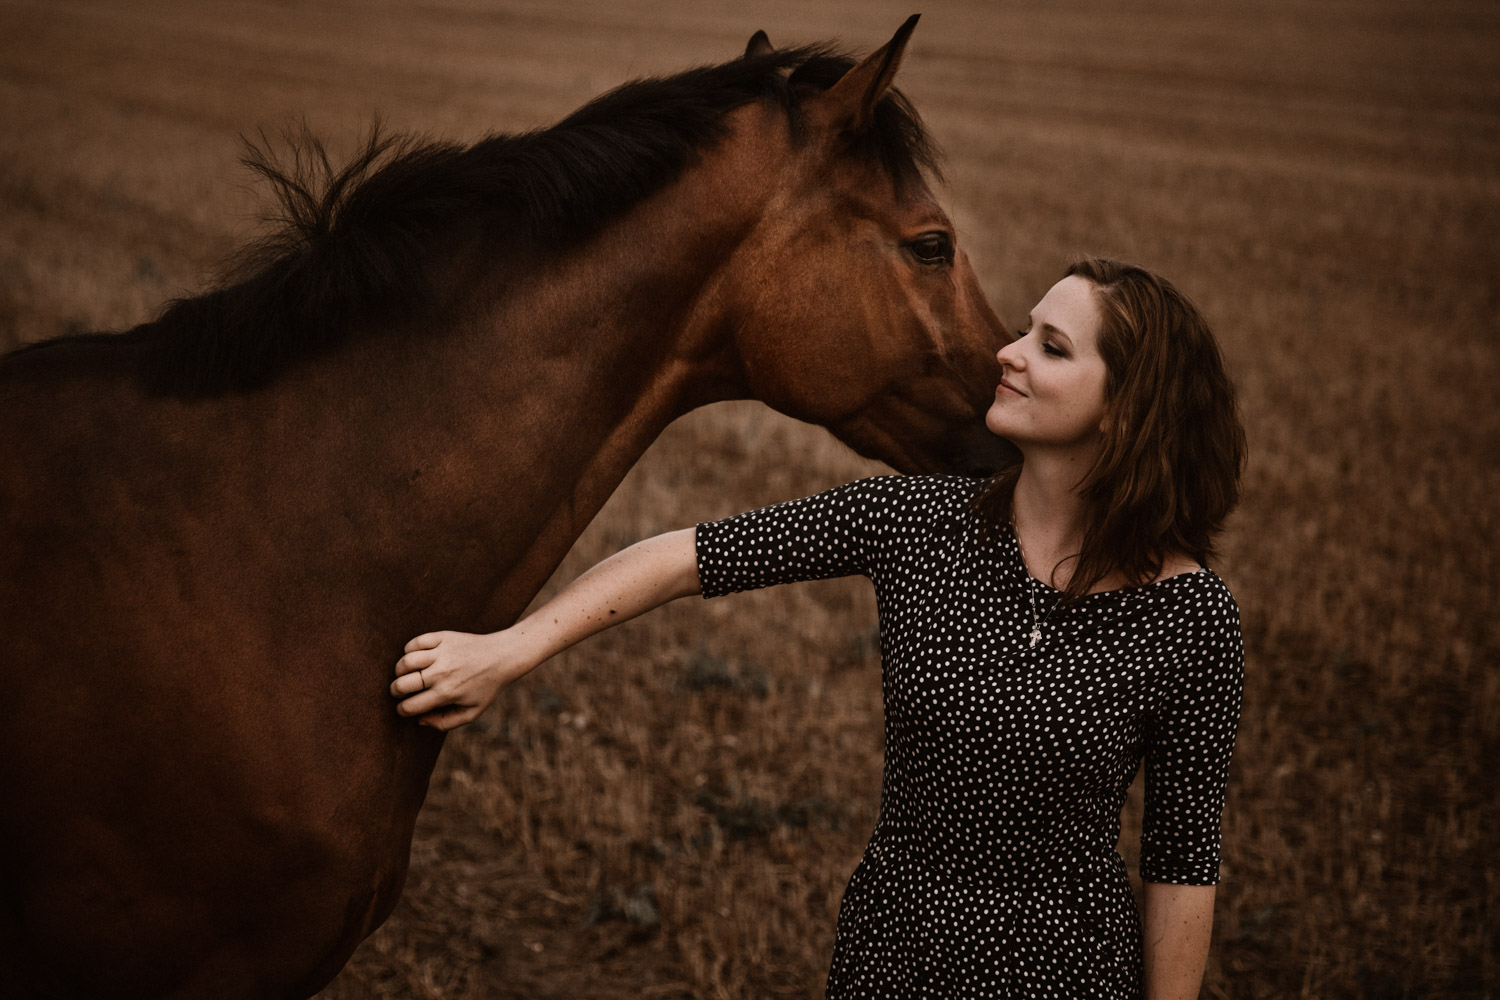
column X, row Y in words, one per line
column 1019, row 564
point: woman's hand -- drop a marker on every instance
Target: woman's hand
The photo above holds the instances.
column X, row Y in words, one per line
column 448, row 679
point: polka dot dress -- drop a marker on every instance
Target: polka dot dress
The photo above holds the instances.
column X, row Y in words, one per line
column 992, row 871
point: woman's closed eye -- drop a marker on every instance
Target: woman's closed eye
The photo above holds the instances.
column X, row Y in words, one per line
column 1049, row 347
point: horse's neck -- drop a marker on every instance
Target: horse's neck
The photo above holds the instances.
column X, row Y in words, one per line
column 554, row 388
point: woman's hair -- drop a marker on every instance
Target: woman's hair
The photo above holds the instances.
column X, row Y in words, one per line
column 1168, row 471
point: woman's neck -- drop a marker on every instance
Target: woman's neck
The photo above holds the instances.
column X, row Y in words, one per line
column 1047, row 515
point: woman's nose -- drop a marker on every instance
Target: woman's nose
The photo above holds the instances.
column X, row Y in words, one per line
column 1009, row 356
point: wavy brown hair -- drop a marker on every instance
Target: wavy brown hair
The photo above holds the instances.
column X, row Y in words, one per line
column 1168, row 471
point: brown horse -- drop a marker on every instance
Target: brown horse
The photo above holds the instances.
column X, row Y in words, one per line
column 219, row 528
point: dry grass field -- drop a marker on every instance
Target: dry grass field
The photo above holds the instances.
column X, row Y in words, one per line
column 672, row 809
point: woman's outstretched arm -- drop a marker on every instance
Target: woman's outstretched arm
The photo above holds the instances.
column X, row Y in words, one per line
column 448, row 679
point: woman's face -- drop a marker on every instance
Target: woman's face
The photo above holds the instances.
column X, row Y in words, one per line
column 1052, row 392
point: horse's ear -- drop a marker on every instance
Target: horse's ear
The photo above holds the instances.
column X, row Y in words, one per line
column 850, row 103
column 760, row 45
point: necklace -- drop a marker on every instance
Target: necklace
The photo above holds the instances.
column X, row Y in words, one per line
column 1037, row 618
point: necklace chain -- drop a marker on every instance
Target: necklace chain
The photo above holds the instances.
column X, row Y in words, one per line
column 1037, row 618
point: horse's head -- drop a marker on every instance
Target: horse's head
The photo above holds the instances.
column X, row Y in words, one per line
column 855, row 308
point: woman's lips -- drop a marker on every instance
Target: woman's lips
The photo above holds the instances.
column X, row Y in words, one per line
column 1005, row 385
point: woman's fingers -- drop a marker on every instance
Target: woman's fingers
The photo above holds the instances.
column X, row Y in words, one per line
column 427, row 640
column 444, row 688
column 419, row 660
column 422, row 702
column 407, row 684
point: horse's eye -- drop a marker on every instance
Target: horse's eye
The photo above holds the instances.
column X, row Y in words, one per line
column 933, row 248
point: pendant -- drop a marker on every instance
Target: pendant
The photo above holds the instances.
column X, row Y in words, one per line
column 1036, row 635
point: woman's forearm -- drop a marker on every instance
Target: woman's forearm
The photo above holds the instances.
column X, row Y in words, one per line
column 446, row 679
column 629, row 583
column 1177, row 928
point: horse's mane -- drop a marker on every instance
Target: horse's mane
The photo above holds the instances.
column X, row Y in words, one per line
column 354, row 244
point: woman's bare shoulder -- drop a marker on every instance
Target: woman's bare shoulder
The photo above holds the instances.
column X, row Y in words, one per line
column 1176, row 564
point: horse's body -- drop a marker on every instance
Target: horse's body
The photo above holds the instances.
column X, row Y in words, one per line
column 208, row 568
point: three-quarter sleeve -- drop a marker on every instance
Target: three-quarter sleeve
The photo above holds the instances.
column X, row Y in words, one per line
column 1189, row 740
column 829, row 534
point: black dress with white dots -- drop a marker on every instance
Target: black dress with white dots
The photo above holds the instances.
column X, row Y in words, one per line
column 992, row 871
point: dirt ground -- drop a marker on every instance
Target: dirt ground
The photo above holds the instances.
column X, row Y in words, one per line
column 672, row 809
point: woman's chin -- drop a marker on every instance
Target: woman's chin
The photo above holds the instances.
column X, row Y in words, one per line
column 997, row 425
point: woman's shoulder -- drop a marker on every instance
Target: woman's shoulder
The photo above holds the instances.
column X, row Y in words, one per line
column 920, row 503
column 1204, row 585
column 1177, row 564
column 1190, row 604
column 1190, row 585
column 1200, row 608
column 884, row 505
column 922, row 491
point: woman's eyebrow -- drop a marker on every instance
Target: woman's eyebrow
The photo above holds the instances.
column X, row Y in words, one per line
column 1049, row 328
column 1031, row 327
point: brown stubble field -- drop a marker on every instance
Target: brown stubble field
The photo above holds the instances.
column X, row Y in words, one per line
column 672, row 809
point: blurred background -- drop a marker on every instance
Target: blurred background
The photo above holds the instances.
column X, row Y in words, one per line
column 673, row 809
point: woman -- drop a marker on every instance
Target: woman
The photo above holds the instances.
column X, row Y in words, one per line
column 1040, row 634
